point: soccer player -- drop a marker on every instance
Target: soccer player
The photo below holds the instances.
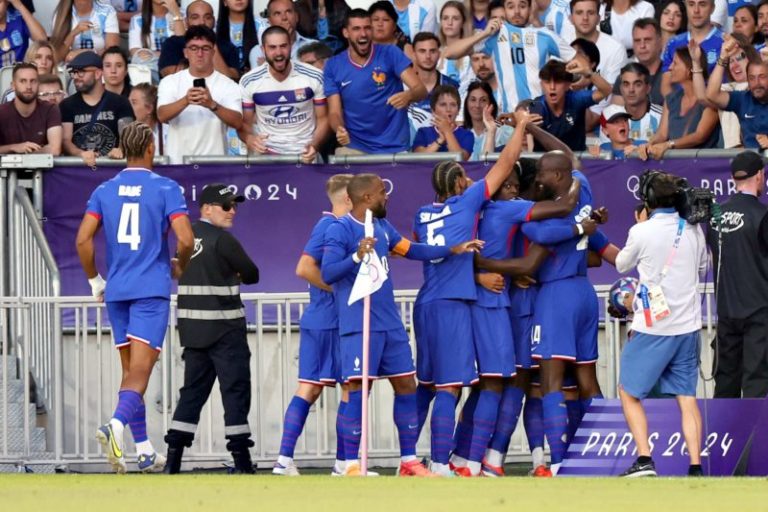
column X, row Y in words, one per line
column 319, row 343
column 518, row 49
column 136, row 208
column 284, row 108
column 390, row 352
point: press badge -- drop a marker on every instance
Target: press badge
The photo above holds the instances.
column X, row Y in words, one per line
column 658, row 303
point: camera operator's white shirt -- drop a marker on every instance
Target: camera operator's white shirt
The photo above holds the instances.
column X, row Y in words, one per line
column 648, row 247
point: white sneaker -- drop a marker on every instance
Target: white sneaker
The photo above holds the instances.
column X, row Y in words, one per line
column 154, row 463
column 112, row 447
column 443, row 470
column 289, row 469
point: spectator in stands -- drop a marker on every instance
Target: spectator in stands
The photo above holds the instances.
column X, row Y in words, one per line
column 751, row 106
column 199, row 12
column 586, row 20
column 237, row 26
column 745, row 23
column 159, row 20
column 619, row 16
column 29, row 126
column 480, row 12
column 80, row 25
column 50, row 89
column 42, row 56
column 93, row 118
column 315, row 54
column 143, row 100
column 672, row 17
column 646, row 46
column 685, row 123
column 17, row 28
column 644, row 115
column 484, row 70
column 126, row 9
column 426, row 49
column 453, row 21
column 369, row 79
column 762, row 18
column 330, row 17
column 445, row 135
column 116, row 77
column 480, row 111
column 282, row 14
column 614, row 122
column 198, row 103
column 385, row 28
column 554, row 15
column 588, row 51
column 563, row 111
column 415, row 16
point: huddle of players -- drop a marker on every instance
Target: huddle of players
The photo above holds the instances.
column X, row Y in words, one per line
column 473, row 327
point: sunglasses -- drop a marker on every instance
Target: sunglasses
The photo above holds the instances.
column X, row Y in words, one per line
column 226, row 206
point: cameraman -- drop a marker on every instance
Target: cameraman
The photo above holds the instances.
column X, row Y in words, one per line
column 669, row 254
column 741, row 274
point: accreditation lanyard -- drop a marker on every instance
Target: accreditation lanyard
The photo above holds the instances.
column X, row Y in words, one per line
column 644, row 291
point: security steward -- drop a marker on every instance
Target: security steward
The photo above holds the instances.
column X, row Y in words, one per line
column 212, row 330
column 741, row 364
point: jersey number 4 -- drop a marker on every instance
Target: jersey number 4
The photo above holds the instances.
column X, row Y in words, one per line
column 128, row 228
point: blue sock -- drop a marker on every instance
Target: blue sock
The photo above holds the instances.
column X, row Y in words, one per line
column 424, row 397
column 586, row 402
column 127, row 402
column 533, row 422
column 340, row 431
column 555, row 424
column 293, row 424
column 484, row 423
column 139, row 424
column 443, row 422
column 509, row 413
column 407, row 422
column 574, row 417
column 353, row 414
column 463, row 436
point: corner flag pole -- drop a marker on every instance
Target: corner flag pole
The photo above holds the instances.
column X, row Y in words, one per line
column 366, row 346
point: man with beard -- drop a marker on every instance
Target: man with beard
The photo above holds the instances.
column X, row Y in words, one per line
column 426, row 54
column 93, row 118
column 367, row 105
column 29, row 126
column 284, row 108
column 390, row 353
column 485, row 71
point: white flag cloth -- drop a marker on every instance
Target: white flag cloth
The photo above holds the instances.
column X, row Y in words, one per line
column 372, row 273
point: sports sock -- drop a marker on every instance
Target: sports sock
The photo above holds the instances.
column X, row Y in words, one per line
column 443, row 422
column 353, row 415
column 138, row 424
column 340, row 434
column 586, row 402
column 293, row 424
column 509, row 413
column 533, row 422
column 484, row 423
column 463, row 436
column 407, row 422
column 128, row 401
column 573, row 408
column 555, row 424
column 424, row 397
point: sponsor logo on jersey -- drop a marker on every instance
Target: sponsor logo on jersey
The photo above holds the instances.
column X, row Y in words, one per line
column 301, row 94
column 379, row 77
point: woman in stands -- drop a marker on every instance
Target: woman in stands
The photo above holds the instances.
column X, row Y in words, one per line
column 480, row 11
column 745, row 23
column 116, row 77
column 237, row 26
column 84, row 25
column 453, row 20
column 143, row 98
column 159, row 20
column 685, row 123
column 480, row 111
column 385, row 30
column 672, row 18
column 445, row 135
column 40, row 54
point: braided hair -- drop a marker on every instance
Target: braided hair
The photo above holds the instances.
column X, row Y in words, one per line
column 135, row 139
column 444, row 178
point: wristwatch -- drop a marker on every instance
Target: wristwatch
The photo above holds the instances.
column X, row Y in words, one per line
column 215, row 107
column 671, row 143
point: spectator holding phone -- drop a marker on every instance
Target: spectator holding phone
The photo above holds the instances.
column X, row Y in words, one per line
column 198, row 103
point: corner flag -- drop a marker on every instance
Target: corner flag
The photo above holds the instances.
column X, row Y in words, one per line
column 372, row 274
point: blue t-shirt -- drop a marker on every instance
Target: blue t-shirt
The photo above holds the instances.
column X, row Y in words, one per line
column 570, row 127
column 373, row 126
column 428, row 135
column 521, row 300
column 447, row 224
column 753, row 116
column 14, row 40
column 321, row 312
column 710, row 46
column 499, row 221
column 136, row 208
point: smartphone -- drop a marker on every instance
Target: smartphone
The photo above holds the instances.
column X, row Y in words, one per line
column 199, row 82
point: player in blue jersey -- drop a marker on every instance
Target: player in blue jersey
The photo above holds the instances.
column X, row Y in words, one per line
column 319, row 342
column 390, row 352
column 136, row 208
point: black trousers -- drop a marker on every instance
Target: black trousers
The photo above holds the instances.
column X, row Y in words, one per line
column 742, row 357
column 228, row 360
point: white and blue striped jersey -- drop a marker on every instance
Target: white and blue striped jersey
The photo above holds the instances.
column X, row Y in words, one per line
column 518, row 54
column 557, row 18
column 162, row 29
column 641, row 130
column 419, row 16
column 104, row 19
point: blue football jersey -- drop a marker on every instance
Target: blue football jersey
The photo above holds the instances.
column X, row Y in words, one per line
column 447, row 224
column 321, row 312
column 136, row 208
column 499, row 221
column 710, row 46
column 521, row 300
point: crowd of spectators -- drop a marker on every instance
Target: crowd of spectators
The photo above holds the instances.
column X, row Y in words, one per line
column 315, row 77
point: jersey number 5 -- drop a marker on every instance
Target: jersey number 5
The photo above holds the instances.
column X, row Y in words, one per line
column 128, row 228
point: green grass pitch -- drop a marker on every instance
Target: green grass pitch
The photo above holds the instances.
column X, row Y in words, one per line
column 159, row 493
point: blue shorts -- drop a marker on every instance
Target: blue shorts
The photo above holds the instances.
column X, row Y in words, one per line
column 521, row 334
column 319, row 357
column 493, row 341
column 389, row 355
column 565, row 321
column 672, row 361
column 445, row 352
column 144, row 320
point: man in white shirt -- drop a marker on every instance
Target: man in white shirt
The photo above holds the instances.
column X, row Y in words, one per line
column 198, row 103
column 284, row 106
column 585, row 18
column 670, row 254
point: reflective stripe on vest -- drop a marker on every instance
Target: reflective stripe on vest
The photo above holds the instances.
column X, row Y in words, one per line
column 220, row 291
column 217, row 314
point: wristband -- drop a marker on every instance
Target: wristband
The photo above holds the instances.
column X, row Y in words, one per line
column 98, row 284
column 722, row 62
column 580, row 229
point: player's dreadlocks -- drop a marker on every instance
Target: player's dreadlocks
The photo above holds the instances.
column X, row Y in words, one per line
column 444, row 178
column 135, row 139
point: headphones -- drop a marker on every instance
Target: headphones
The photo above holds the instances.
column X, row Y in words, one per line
column 645, row 189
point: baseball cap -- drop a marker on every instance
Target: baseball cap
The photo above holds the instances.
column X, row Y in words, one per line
column 218, row 193
column 746, row 164
column 85, row 60
column 612, row 113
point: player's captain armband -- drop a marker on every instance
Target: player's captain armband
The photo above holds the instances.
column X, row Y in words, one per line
column 402, row 247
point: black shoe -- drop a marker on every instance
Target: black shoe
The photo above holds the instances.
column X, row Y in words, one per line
column 695, row 470
column 243, row 463
column 639, row 469
column 173, row 462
